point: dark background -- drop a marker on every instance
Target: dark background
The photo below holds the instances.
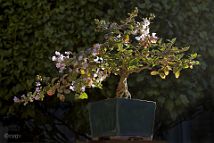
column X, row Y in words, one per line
column 30, row 32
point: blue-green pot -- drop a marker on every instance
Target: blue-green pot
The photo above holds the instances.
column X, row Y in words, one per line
column 122, row 117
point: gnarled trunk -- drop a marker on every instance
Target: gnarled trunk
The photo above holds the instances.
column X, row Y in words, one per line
column 122, row 88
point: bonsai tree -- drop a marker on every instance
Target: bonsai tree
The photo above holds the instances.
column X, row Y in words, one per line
column 127, row 47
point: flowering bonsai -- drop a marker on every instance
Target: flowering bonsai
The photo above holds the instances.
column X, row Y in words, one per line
column 127, row 47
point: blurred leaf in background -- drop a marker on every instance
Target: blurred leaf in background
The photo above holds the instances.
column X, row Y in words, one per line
column 30, row 32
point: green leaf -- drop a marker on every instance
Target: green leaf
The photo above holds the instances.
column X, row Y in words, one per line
column 162, row 75
column 120, row 46
column 185, row 66
column 185, row 49
column 177, row 74
column 154, row 72
column 173, row 41
column 166, row 71
column 83, row 96
column 133, row 62
column 82, row 71
column 180, row 56
column 194, row 55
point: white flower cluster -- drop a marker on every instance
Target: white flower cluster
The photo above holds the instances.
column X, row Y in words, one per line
column 144, row 31
column 99, row 75
column 72, row 86
column 38, row 89
column 30, row 97
column 59, row 60
column 90, row 77
column 98, row 59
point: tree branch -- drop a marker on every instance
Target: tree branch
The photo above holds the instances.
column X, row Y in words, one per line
column 140, row 69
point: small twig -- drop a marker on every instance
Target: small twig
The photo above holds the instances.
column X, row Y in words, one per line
column 140, row 69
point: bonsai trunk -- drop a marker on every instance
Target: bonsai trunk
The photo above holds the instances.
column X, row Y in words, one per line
column 122, row 88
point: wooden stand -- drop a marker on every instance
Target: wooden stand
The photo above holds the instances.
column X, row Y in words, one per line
column 123, row 141
column 126, row 141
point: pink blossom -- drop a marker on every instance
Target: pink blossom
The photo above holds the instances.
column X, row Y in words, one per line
column 57, row 53
column 54, row 58
column 15, row 99
column 71, row 87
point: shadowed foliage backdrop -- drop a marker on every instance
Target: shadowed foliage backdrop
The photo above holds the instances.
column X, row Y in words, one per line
column 30, row 32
